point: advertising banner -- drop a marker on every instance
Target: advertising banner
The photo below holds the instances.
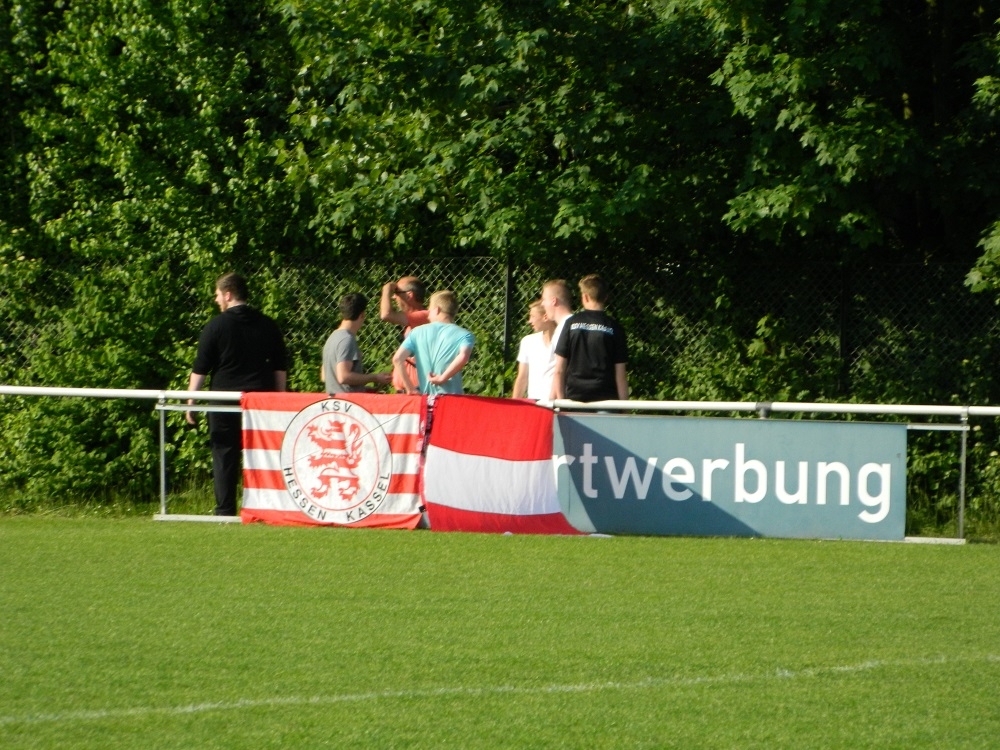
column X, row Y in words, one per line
column 731, row 477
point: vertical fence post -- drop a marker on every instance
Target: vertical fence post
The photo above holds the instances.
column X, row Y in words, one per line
column 845, row 333
column 507, row 303
column 961, row 474
column 163, row 454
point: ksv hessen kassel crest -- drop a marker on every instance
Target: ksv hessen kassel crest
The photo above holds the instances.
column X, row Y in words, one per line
column 336, row 462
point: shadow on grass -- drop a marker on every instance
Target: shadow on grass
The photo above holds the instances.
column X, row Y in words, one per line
column 196, row 498
column 193, row 499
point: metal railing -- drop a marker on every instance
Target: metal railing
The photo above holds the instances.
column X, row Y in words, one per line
column 161, row 398
column 763, row 410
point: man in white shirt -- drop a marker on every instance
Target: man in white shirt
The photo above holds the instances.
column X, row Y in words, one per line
column 534, row 354
column 557, row 301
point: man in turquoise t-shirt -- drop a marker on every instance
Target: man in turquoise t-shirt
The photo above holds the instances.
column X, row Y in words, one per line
column 440, row 348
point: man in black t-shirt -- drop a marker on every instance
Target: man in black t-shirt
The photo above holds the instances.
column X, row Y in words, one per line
column 592, row 353
column 243, row 350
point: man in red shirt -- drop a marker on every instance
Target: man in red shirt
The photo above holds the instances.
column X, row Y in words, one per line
column 408, row 294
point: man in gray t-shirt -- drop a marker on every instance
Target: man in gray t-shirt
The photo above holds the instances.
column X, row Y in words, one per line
column 342, row 370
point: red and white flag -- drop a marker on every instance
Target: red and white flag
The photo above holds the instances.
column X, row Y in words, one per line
column 488, row 468
column 312, row 459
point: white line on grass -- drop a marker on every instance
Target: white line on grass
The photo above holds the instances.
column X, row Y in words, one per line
column 651, row 682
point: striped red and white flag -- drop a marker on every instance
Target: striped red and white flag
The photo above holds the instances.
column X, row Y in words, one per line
column 311, row 459
column 488, row 468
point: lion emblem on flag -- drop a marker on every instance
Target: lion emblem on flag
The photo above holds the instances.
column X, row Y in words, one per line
column 339, row 455
column 335, row 458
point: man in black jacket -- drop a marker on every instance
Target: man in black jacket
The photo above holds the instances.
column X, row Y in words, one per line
column 242, row 350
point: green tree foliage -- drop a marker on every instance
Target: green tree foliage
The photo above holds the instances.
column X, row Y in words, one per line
column 859, row 117
column 983, row 135
column 147, row 146
column 526, row 128
column 138, row 171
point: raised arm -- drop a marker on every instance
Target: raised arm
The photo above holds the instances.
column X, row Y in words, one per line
column 386, row 311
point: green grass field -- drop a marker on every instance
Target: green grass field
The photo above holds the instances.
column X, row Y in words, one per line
column 134, row 634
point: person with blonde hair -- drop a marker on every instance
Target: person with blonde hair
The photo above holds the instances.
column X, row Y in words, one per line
column 592, row 352
column 534, row 376
column 441, row 350
column 557, row 302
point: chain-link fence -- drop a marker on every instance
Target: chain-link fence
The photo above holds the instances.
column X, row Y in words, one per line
column 305, row 301
column 880, row 334
column 888, row 334
column 893, row 334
